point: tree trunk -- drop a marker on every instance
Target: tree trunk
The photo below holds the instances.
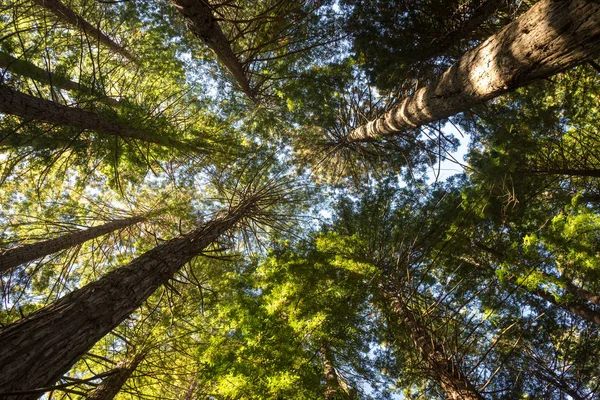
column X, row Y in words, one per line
column 112, row 384
column 32, row 71
column 67, row 15
column 201, row 21
column 332, row 384
column 34, row 108
column 19, row 255
column 37, row 350
column 449, row 374
column 582, row 310
column 595, row 173
column 550, row 37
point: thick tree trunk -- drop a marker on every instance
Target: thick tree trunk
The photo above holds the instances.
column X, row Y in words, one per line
column 29, row 70
column 453, row 381
column 19, row 255
column 67, row 15
column 550, row 37
column 34, row 108
column 37, row 350
column 112, row 384
column 201, row 21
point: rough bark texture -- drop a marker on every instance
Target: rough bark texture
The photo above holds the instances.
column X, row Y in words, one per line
column 112, row 384
column 37, row 350
column 201, row 21
column 67, row 15
column 34, row 108
column 29, row 70
column 19, row 255
column 552, row 36
column 453, row 381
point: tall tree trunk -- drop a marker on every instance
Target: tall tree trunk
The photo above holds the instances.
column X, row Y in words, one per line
column 550, row 37
column 453, row 381
column 191, row 389
column 34, row 108
column 19, row 255
column 201, row 21
column 67, row 15
column 331, row 379
column 112, row 384
column 32, row 71
column 37, row 350
column 581, row 310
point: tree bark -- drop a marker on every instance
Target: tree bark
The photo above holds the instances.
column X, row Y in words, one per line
column 32, row 71
column 453, row 381
column 332, row 384
column 112, row 384
column 34, row 108
column 37, row 350
column 19, row 255
column 550, row 37
column 67, row 15
column 200, row 20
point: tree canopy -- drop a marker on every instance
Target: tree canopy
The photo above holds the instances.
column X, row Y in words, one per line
column 250, row 199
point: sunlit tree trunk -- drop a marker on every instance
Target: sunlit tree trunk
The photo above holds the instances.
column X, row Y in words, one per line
column 19, row 255
column 550, row 37
column 67, row 15
column 26, row 69
column 112, row 384
column 201, row 21
column 37, row 109
column 442, row 367
column 37, row 350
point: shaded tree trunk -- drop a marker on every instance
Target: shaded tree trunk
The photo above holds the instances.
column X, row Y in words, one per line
column 203, row 24
column 584, row 311
column 19, row 255
column 67, row 15
column 595, row 173
column 112, row 384
column 32, row 71
column 443, row 368
column 550, row 37
column 332, row 385
column 37, row 350
column 34, row 108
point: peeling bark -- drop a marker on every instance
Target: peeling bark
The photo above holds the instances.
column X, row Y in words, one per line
column 67, row 15
column 37, row 350
column 552, row 36
column 202, row 23
column 19, row 255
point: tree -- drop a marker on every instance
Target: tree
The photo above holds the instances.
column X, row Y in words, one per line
column 30, row 107
column 89, row 313
column 67, row 15
column 12, row 257
column 516, row 56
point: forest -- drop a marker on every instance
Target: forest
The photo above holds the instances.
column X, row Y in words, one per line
column 300, row 199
